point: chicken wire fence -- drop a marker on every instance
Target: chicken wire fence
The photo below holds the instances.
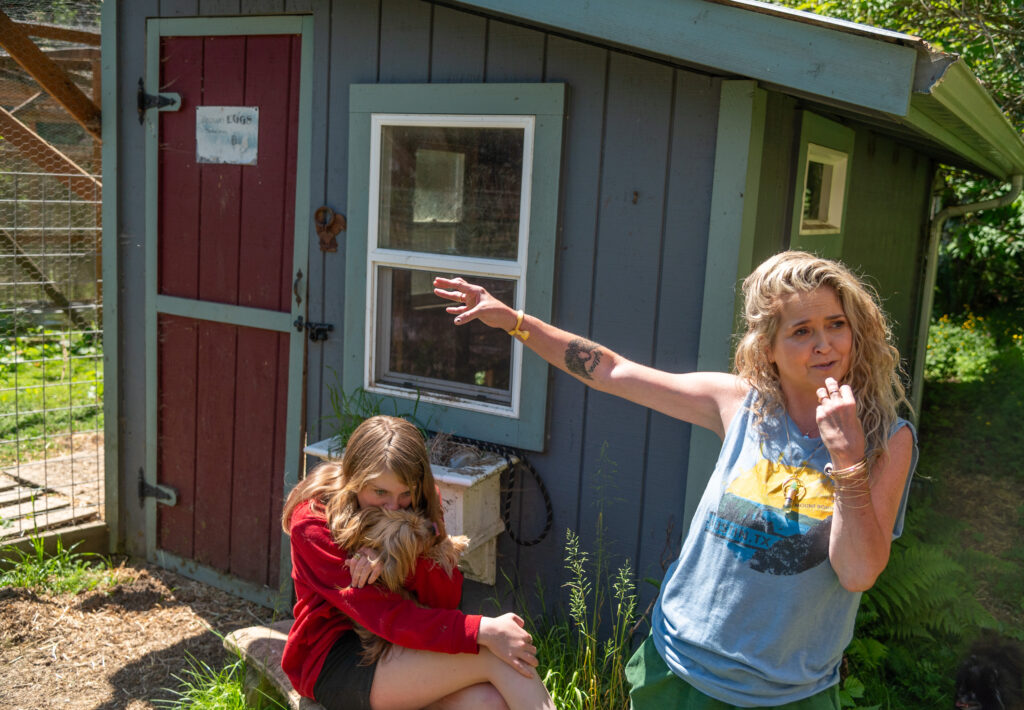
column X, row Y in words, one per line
column 51, row 347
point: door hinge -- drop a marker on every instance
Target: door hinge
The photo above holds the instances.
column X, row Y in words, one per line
column 165, row 495
column 317, row 331
column 161, row 102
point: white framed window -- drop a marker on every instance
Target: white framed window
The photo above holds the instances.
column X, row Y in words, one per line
column 823, row 172
column 452, row 180
column 824, row 190
column 448, row 195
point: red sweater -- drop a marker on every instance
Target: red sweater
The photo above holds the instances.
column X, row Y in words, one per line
column 326, row 605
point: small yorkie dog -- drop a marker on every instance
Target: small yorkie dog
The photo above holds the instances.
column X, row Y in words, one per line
column 990, row 676
column 399, row 537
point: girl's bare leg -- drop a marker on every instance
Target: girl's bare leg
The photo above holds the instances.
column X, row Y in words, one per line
column 409, row 679
column 482, row 696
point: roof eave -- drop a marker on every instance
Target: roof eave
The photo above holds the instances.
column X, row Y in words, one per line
column 895, row 77
column 773, row 48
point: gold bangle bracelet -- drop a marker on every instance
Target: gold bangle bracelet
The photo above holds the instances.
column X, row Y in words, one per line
column 524, row 334
column 858, row 467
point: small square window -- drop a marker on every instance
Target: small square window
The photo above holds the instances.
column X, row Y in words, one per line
column 447, row 194
column 824, row 188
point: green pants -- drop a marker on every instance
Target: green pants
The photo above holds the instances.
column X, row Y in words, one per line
column 656, row 687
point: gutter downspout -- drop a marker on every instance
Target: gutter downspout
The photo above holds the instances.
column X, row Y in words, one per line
column 932, row 255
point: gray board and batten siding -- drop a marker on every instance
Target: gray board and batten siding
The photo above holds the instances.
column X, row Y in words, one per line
column 636, row 191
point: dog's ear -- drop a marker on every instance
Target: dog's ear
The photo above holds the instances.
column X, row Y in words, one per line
column 353, row 533
column 448, row 551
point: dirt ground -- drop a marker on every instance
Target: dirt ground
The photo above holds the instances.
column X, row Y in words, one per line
column 117, row 648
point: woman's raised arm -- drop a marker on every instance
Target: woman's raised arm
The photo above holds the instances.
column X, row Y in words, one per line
column 708, row 399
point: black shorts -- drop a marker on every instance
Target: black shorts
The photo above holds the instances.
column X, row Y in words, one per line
column 343, row 684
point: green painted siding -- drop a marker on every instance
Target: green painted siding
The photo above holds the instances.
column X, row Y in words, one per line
column 778, row 161
column 886, row 218
column 887, row 227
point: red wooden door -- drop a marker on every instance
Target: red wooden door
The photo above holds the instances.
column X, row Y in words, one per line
column 225, row 283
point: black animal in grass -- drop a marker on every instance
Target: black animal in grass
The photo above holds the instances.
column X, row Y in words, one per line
column 989, row 677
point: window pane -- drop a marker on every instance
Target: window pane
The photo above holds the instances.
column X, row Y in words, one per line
column 420, row 348
column 451, row 190
column 813, row 193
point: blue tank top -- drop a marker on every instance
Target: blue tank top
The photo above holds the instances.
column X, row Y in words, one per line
column 752, row 612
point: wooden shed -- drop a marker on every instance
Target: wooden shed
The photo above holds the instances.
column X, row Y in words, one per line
column 614, row 167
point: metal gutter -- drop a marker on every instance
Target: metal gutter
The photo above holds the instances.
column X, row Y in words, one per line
column 957, row 111
column 931, row 266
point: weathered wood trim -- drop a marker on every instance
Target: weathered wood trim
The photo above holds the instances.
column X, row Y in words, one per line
column 50, row 76
column 225, row 26
column 296, row 406
column 738, row 148
column 112, row 384
column 276, row 599
column 64, row 34
column 152, row 128
column 778, row 50
column 91, row 537
column 224, row 313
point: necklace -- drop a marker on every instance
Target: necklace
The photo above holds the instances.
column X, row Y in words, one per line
column 793, row 488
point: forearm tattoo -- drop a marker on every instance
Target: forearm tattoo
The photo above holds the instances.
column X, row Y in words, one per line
column 582, row 357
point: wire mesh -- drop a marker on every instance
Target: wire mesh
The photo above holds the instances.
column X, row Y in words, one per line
column 51, row 346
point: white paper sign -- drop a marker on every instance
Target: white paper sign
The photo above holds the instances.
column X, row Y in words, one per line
column 227, row 134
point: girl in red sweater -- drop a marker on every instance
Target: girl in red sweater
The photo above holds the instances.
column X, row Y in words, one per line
column 441, row 657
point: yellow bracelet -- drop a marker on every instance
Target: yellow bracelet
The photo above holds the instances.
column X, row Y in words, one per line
column 524, row 334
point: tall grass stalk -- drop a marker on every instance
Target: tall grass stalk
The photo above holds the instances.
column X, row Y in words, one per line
column 583, row 660
column 66, row 571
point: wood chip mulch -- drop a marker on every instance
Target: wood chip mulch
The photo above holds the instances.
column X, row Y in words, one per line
column 120, row 646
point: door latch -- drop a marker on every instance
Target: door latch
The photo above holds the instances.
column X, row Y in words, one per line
column 317, row 331
column 328, row 224
column 164, row 495
column 161, row 102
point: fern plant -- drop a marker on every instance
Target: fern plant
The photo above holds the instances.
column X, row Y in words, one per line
column 920, row 601
column 920, row 596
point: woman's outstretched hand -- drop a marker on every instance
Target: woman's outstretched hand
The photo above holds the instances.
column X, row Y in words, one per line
column 474, row 303
column 838, row 424
column 506, row 638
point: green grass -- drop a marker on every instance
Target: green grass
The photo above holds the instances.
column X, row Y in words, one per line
column 583, row 658
column 203, row 687
column 66, row 571
column 51, row 386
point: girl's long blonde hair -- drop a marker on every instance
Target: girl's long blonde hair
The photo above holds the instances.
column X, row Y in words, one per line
column 377, row 445
column 875, row 372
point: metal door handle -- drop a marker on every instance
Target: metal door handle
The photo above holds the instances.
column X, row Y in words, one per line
column 295, row 287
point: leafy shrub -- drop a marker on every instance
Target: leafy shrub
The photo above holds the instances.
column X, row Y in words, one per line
column 960, row 350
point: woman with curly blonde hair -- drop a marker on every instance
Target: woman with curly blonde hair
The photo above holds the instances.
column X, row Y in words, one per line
column 809, row 490
column 441, row 658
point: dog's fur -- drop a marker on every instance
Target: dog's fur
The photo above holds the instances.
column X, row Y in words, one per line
column 989, row 677
column 399, row 537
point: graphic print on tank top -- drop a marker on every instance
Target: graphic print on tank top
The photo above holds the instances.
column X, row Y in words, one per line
column 761, row 529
